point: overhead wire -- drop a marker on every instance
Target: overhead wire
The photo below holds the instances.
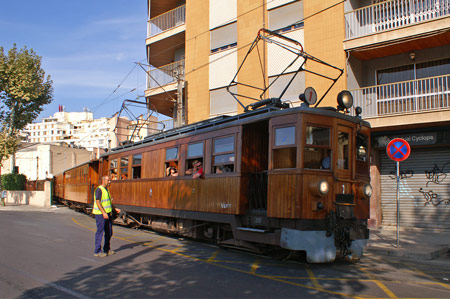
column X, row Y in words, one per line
column 107, row 100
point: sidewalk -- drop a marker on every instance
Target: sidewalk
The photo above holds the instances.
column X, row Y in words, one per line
column 414, row 244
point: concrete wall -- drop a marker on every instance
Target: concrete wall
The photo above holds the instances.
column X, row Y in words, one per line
column 197, row 60
column 34, row 198
column 324, row 33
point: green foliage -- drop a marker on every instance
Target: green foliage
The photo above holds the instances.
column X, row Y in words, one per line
column 8, row 145
column 24, row 91
column 12, row 181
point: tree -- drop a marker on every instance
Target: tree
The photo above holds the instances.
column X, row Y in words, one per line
column 24, row 91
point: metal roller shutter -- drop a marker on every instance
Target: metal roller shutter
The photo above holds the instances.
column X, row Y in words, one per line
column 424, row 189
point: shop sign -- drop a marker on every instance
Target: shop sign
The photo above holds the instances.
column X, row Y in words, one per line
column 412, row 139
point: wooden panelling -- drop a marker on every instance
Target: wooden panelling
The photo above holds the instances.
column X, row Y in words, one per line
column 78, row 193
column 309, row 200
column 362, row 208
column 59, row 186
column 214, row 195
column 282, row 197
column 153, row 164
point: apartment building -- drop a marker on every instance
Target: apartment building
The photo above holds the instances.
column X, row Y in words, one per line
column 398, row 70
column 82, row 130
column 396, row 60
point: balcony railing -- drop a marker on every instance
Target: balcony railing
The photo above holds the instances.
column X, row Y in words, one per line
column 393, row 14
column 167, row 21
column 404, row 97
column 165, row 75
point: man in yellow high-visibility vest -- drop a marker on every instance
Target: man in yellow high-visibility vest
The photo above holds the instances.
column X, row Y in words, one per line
column 103, row 218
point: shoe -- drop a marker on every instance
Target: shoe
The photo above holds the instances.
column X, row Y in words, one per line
column 100, row 254
column 111, row 252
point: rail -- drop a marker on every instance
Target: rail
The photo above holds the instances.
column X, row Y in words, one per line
column 413, row 96
column 165, row 75
column 166, row 21
column 393, row 14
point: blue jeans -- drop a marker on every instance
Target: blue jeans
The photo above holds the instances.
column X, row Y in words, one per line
column 103, row 226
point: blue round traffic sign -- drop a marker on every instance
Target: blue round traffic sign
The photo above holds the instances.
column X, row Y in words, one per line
column 398, row 149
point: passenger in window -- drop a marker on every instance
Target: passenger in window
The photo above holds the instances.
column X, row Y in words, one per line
column 326, row 163
column 172, row 171
column 197, row 170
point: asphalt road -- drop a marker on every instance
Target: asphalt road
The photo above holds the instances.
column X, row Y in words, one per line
column 49, row 254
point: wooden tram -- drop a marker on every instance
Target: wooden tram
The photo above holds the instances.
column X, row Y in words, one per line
column 274, row 177
column 296, row 179
column 75, row 186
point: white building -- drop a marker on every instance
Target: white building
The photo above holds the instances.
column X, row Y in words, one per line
column 42, row 161
column 82, row 130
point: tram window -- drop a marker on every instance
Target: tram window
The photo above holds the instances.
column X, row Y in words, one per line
column 361, row 147
column 223, row 155
column 285, row 151
column 136, row 167
column 194, row 153
column 124, row 168
column 317, row 158
column 171, row 164
column 285, row 136
column 317, row 151
column 343, row 150
column 113, row 169
column 317, row 136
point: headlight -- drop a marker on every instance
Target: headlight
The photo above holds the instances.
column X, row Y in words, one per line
column 323, row 187
column 345, row 100
column 365, row 191
column 320, row 188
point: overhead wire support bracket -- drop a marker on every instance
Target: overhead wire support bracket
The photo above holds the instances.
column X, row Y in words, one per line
column 291, row 46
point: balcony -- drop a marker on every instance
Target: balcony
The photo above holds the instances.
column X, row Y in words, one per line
column 167, row 21
column 393, row 14
column 407, row 97
column 165, row 75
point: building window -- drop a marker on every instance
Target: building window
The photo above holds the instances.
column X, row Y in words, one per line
column 224, row 38
column 285, row 149
column 136, row 167
column 171, row 163
column 317, row 149
column 223, row 155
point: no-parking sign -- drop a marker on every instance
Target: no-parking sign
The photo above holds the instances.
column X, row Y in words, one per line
column 398, row 149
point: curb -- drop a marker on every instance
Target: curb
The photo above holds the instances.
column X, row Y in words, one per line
column 402, row 253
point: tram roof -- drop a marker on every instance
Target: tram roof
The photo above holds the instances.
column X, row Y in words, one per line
column 227, row 121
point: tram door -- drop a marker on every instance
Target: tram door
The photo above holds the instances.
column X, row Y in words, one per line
column 255, row 157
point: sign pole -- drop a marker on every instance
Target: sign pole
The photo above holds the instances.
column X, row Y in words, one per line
column 398, row 204
column 398, row 150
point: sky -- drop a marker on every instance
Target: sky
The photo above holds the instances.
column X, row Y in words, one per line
column 89, row 48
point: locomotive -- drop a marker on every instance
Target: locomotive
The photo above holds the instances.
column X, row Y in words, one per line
column 273, row 179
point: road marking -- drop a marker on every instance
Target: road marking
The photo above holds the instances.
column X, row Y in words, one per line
column 254, row 267
column 417, row 270
column 213, row 256
column 220, row 263
column 379, row 284
column 312, row 277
